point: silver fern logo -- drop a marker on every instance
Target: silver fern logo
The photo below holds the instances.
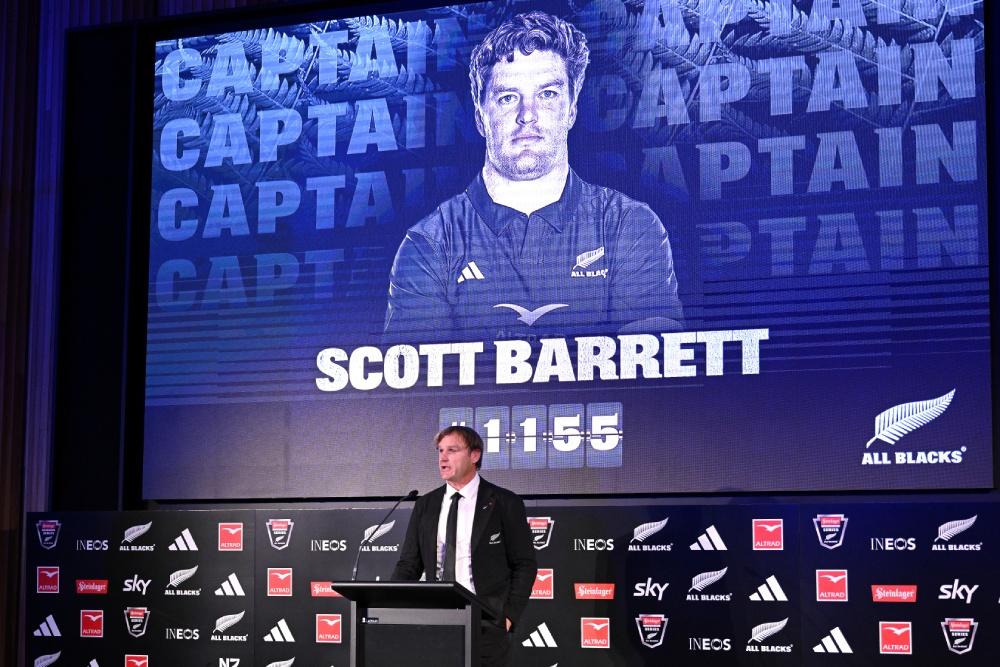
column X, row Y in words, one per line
column 223, row 623
column 373, row 533
column 951, row 529
column 764, row 631
column 178, row 578
column 643, row 532
column 585, row 260
column 702, row 581
column 47, row 659
column 898, row 421
column 134, row 533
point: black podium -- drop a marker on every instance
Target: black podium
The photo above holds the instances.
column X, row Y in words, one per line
column 394, row 623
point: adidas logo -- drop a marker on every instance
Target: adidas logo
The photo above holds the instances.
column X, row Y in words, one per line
column 835, row 642
column 230, row 587
column 710, row 540
column 540, row 638
column 184, row 542
column 48, row 628
column 769, row 591
column 280, row 633
column 471, row 272
column 93, row 663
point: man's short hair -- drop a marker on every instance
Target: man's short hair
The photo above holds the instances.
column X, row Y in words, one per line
column 533, row 31
column 472, row 440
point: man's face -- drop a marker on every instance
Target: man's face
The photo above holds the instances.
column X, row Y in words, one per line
column 456, row 462
column 526, row 114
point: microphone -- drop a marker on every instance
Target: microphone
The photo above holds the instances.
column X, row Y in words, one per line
column 409, row 496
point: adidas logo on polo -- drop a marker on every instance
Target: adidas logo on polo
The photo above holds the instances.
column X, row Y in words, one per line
column 710, row 540
column 471, row 272
column 540, row 638
column 835, row 642
column 769, row 591
column 184, row 542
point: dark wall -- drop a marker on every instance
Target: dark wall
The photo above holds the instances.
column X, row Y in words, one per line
column 94, row 270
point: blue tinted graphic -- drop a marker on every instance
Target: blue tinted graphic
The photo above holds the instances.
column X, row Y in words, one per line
column 756, row 249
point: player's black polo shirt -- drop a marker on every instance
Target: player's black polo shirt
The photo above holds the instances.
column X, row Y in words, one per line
column 595, row 261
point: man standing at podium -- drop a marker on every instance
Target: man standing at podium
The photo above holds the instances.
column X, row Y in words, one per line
column 475, row 533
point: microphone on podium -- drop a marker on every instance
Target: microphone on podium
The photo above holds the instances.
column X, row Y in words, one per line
column 409, row 496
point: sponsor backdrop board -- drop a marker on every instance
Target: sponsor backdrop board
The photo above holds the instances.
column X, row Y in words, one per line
column 767, row 271
column 851, row 584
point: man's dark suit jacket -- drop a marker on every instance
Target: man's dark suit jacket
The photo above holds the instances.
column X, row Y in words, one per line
column 503, row 557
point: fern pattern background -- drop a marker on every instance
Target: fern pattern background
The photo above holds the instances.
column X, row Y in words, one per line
column 820, row 172
column 296, row 241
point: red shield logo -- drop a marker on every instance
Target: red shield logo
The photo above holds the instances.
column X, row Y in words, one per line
column 328, row 627
column 768, row 534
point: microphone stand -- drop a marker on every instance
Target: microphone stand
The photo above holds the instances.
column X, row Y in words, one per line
column 409, row 496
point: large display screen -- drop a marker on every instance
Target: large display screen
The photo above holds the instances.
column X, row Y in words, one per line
column 642, row 247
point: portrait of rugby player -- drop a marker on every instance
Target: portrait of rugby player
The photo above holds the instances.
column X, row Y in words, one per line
column 529, row 249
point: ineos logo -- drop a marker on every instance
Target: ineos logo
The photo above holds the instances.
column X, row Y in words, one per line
column 590, row 544
column 894, row 544
column 182, row 633
column 328, row 545
column 709, row 644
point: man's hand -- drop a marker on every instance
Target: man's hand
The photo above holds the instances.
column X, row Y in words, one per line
column 508, row 625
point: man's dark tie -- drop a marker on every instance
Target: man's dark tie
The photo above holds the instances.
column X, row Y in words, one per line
column 450, row 537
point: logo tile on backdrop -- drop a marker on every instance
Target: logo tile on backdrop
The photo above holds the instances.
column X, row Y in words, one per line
column 136, row 620
column 768, row 534
column 830, row 530
column 895, row 637
column 230, row 536
column 652, row 629
column 959, row 634
column 544, row 586
column 541, row 531
column 279, row 532
column 595, row 632
column 48, row 532
column 835, row 642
